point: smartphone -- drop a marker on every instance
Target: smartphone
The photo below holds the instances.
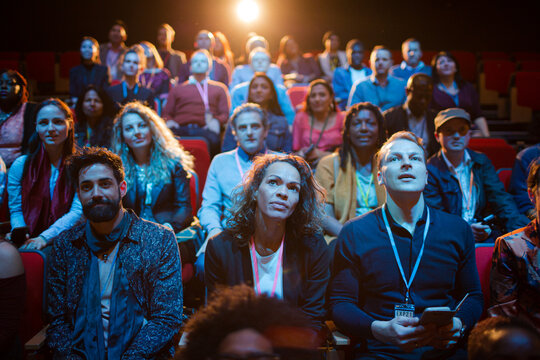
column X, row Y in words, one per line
column 440, row 316
column 18, row 236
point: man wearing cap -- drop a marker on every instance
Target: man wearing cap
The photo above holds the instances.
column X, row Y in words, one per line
column 395, row 261
column 414, row 115
column 464, row 182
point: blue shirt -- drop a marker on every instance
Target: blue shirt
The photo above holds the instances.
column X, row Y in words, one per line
column 239, row 96
column 393, row 94
column 366, row 282
column 342, row 83
column 223, row 177
column 404, row 71
column 243, row 73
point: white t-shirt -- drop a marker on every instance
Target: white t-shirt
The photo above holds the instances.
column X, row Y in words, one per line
column 267, row 266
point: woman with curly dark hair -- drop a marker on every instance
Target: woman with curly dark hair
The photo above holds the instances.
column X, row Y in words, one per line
column 349, row 175
column 273, row 239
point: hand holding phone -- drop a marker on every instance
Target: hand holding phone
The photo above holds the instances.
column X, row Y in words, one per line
column 440, row 316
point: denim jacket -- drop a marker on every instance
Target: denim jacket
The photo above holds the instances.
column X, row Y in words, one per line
column 443, row 192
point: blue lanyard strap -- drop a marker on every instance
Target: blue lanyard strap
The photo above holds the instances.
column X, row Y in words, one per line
column 125, row 90
column 396, row 255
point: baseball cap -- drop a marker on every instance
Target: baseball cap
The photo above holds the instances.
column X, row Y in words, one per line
column 449, row 114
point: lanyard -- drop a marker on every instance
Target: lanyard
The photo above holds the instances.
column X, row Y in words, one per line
column 256, row 267
column 322, row 130
column 240, row 166
column 125, row 89
column 396, row 255
column 365, row 196
column 455, row 97
column 203, row 91
column 467, row 198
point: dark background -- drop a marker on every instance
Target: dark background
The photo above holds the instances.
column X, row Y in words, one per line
column 33, row 25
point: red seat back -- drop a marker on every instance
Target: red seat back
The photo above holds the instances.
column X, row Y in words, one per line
column 526, row 55
column 297, row 94
column 494, row 55
column 529, row 65
column 501, row 154
column 194, row 193
column 10, row 64
column 528, row 88
column 428, row 55
column 34, row 307
column 10, row 55
column 484, row 253
column 68, row 60
column 40, row 66
column 498, row 73
column 397, row 58
column 467, row 64
column 199, row 149
column 504, row 175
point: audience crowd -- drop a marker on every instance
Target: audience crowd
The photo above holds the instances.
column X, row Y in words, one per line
column 362, row 206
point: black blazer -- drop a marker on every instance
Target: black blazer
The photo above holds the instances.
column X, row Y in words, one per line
column 171, row 201
column 395, row 119
column 80, row 77
column 306, row 270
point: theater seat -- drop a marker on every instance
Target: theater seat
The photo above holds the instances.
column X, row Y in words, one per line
column 494, row 55
column 504, row 175
column 467, row 64
column 297, row 94
column 494, row 84
column 501, row 154
column 35, row 268
column 529, row 65
column 524, row 99
column 198, row 147
column 483, row 254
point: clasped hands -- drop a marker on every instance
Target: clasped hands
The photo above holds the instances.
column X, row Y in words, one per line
column 408, row 334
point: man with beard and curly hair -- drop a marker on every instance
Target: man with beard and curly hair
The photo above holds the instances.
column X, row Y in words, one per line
column 115, row 284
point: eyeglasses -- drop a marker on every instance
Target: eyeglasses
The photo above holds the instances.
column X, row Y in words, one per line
column 252, row 356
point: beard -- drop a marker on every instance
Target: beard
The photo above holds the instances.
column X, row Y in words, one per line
column 106, row 212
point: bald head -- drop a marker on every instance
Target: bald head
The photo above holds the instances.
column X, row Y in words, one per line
column 419, row 92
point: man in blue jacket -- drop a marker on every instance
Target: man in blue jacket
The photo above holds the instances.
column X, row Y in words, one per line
column 464, row 182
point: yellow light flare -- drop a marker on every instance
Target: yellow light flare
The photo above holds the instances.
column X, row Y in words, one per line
column 247, row 10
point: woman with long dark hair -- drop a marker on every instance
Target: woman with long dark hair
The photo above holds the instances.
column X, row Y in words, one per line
column 349, row 175
column 317, row 129
column 450, row 90
column 273, row 239
column 89, row 71
column 95, row 113
column 42, row 202
column 262, row 92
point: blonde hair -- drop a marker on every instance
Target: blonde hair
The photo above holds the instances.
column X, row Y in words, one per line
column 400, row 135
column 165, row 150
column 158, row 63
column 137, row 50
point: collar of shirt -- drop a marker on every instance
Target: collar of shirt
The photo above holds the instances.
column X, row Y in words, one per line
column 465, row 165
column 193, row 81
column 244, row 156
column 374, row 80
column 395, row 226
column 405, row 66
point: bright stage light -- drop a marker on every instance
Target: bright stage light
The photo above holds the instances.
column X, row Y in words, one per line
column 247, row 10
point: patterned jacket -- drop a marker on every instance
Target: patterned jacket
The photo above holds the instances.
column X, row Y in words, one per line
column 515, row 275
column 150, row 255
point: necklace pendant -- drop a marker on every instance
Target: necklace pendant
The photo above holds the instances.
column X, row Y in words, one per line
column 105, row 257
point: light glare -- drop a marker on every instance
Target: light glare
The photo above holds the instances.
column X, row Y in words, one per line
column 247, row 10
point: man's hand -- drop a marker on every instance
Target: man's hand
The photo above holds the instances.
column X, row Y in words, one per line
column 480, row 232
column 448, row 336
column 403, row 332
column 213, row 125
column 37, row 243
column 171, row 124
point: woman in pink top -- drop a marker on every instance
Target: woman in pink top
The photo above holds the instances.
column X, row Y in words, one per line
column 317, row 129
